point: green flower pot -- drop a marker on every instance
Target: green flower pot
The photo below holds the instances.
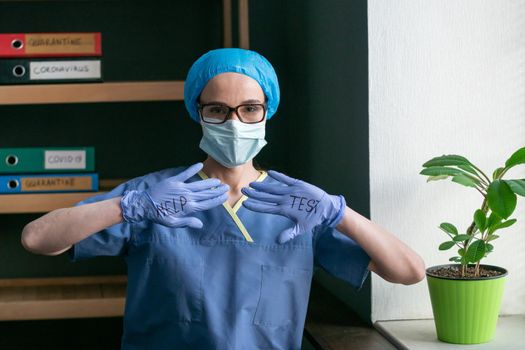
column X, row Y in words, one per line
column 466, row 310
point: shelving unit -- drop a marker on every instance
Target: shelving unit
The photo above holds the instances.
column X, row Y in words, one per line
column 97, row 296
column 63, row 297
column 70, row 297
column 91, row 93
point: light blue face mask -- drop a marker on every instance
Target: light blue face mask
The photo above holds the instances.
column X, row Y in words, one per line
column 233, row 143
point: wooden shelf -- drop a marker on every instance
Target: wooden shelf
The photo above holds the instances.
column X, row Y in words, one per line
column 62, row 297
column 92, row 92
column 45, row 202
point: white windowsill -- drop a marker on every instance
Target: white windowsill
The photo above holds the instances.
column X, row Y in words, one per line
column 421, row 335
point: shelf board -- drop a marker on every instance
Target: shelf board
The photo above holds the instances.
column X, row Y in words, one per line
column 62, row 297
column 92, row 92
column 45, row 202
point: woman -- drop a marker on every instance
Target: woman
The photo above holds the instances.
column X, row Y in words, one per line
column 209, row 268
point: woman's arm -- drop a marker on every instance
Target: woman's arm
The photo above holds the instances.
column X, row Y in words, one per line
column 391, row 259
column 171, row 202
column 57, row 231
column 309, row 206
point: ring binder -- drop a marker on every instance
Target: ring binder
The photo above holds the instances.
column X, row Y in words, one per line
column 40, row 183
column 24, row 71
column 50, row 45
column 47, row 159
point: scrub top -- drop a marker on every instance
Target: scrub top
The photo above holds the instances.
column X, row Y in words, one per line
column 229, row 285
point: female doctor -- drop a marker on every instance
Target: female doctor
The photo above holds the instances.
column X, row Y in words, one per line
column 220, row 255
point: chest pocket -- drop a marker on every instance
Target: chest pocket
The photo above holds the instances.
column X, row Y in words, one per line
column 283, row 297
column 172, row 276
column 177, row 286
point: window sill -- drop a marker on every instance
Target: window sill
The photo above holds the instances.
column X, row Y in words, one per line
column 421, row 334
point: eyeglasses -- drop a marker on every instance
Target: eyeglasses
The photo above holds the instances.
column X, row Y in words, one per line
column 216, row 113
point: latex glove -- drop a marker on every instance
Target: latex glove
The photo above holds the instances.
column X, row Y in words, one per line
column 305, row 204
column 171, row 202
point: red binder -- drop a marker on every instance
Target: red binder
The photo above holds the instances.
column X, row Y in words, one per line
column 50, row 45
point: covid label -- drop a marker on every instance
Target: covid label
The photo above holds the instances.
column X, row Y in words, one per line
column 65, row 160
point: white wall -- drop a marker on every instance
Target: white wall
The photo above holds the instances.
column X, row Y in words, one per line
column 446, row 77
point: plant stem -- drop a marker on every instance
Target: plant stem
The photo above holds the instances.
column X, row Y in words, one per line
column 484, row 208
column 502, row 173
column 470, row 232
column 481, row 172
column 480, row 191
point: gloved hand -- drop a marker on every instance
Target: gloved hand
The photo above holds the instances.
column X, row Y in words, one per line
column 307, row 205
column 171, row 202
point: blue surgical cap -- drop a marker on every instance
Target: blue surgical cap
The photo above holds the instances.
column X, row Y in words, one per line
column 241, row 61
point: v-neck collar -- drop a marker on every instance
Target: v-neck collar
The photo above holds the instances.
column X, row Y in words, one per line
column 233, row 210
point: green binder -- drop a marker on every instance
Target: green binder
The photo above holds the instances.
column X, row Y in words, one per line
column 47, row 160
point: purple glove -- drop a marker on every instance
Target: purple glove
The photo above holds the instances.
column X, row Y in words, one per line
column 171, row 202
column 306, row 205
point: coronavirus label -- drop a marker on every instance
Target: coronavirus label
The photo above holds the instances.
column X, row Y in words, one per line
column 64, row 70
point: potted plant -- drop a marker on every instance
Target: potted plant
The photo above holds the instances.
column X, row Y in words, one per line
column 466, row 295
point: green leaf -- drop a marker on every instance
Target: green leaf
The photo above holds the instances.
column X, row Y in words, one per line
column 438, row 170
column 461, row 238
column 465, row 180
column 461, row 251
column 455, row 259
column 447, row 227
column 446, row 245
column 497, row 173
column 490, row 247
column 446, row 159
column 468, row 169
column 504, row 224
column 517, row 186
column 480, row 220
column 501, row 199
column 438, row 177
column 476, row 251
column 492, row 237
column 516, row 158
column 493, row 220
column 493, row 226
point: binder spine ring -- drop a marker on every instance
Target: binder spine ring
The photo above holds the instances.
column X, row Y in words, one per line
column 12, row 184
column 11, row 160
column 17, row 44
column 19, row 71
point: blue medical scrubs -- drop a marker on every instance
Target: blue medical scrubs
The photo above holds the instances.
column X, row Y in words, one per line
column 229, row 285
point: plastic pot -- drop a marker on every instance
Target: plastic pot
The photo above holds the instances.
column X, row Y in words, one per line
column 466, row 309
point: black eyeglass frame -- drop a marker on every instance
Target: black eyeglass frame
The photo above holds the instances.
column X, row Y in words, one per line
column 232, row 109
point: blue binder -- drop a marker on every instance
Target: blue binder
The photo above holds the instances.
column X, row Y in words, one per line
column 48, row 183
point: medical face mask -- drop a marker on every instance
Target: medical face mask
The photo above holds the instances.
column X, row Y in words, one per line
column 233, row 143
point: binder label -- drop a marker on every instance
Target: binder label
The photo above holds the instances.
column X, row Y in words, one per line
column 51, row 70
column 67, row 43
column 65, row 160
column 56, row 183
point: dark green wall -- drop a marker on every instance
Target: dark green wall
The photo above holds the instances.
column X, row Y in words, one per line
column 321, row 52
